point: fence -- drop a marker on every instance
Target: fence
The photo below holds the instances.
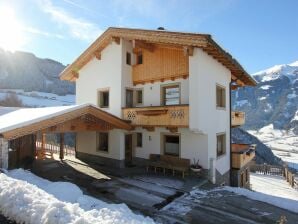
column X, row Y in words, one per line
column 55, row 148
column 284, row 171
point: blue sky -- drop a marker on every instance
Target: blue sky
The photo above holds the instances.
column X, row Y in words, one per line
column 258, row 33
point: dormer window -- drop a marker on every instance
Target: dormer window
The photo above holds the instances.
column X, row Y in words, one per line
column 140, row 58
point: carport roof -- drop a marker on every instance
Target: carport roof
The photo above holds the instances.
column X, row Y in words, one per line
column 30, row 120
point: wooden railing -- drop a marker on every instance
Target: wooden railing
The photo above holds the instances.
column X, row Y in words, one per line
column 284, row 171
column 238, row 118
column 160, row 116
column 55, row 148
column 242, row 154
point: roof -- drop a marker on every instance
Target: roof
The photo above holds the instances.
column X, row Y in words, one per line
column 29, row 120
column 5, row 110
column 203, row 41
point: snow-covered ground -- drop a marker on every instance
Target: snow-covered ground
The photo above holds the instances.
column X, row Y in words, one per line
column 39, row 99
column 27, row 198
column 273, row 185
column 283, row 144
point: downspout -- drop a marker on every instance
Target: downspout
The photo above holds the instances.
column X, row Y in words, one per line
column 230, row 96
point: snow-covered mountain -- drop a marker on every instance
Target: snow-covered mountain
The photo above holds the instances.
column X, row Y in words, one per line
column 273, row 101
column 22, row 70
column 32, row 80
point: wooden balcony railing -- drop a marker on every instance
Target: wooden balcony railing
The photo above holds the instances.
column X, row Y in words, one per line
column 158, row 116
column 238, row 118
column 242, row 154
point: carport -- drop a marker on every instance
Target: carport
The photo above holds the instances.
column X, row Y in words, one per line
column 19, row 128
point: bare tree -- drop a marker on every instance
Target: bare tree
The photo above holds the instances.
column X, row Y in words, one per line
column 11, row 100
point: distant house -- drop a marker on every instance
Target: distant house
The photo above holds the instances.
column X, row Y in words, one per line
column 158, row 94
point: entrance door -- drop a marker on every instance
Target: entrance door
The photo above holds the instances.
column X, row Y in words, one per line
column 128, row 148
column 129, row 98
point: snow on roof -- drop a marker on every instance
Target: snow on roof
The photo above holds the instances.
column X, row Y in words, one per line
column 6, row 110
column 26, row 116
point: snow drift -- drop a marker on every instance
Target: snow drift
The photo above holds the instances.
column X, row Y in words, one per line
column 30, row 203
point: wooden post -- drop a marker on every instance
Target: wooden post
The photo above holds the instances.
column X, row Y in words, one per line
column 43, row 146
column 61, row 146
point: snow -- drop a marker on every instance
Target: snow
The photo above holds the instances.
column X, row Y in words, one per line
column 289, row 204
column 284, row 144
column 265, row 87
column 24, row 198
column 273, row 185
column 240, row 103
column 262, row 98
column 39, row 99
column 275, row 72
column 26, row 116
column 291, row 96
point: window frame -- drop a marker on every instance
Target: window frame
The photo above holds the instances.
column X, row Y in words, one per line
column 223, row 99
column 136, row 97
column 98, row 141
column 164, row 144
column 223, row 151
column 139, row 139
column 100, row 97
column 163, row 93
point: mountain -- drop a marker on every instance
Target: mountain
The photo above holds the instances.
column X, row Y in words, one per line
column 273, row 101
column 25, row 71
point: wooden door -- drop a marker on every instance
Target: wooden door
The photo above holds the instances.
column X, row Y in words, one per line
column 128, row 147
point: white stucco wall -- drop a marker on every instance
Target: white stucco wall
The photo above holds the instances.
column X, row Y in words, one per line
column 104, row 73
column 204, row 73
column 86, row 143
column 192, row 146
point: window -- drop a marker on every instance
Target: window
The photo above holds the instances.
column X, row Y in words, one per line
column 140, row 58
column 171, row 145
column 102, row 141
column 103, row 97
column 139, row 139
column 220, row 97
column 221, row 144
column 171, row 95
column 129, row 98
column 128, row 58
column 139, row 96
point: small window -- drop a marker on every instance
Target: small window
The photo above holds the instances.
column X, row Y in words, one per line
column 140, row 58
column 103, row 98
column 139, row 96
column 171, row 95
column 128, row 58
column 129, row 98
column 102, row 141
column 221, row 144
column 139, row 139
column 220, row 97
column 171, row 145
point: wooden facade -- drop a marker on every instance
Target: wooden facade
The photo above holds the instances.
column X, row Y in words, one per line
column 160, row 116
column 160, row 64
column 242, row 154
column 238, row 118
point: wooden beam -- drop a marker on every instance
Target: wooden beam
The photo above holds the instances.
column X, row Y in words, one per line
column 173, row 129
column 61, row 154
column 75, row 74
column 116, row 40
column 188, row 51
column 149, row 128
column 97, row 55
column 143, row 45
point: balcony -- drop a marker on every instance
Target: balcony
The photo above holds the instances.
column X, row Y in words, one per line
column 158, row 116
column 242, row 154
column 238, row 118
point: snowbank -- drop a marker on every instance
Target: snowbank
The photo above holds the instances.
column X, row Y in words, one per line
column 285, row 203
column 30, row 203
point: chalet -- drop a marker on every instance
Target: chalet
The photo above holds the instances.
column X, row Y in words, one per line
column 151, row 95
